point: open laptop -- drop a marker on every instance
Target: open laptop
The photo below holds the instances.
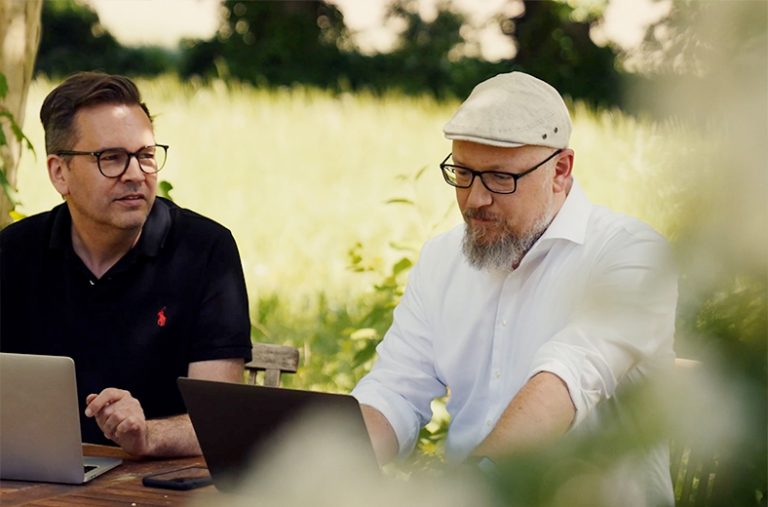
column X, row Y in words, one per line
column 40, row 422
column 235, row 422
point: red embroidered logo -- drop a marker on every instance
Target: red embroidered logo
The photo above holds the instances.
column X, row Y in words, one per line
column 161, row 318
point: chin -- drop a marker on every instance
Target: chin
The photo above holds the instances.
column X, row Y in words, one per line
column 485, row 235
column 131, row 221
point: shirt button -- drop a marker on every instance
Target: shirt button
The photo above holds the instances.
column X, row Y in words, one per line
column 489, row 423
column 504, row 323
column 91, row 282
column 497, row 373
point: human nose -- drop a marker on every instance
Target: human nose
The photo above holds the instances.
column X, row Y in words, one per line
column 133, row 172
column 478, row 196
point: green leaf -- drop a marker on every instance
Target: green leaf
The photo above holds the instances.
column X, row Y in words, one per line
column 400, row 200
column 402, row 264
column 15, row 215
column 21, row 137
column 17, row 132
column 164, row 189
column 8, row 189
column 3, row 86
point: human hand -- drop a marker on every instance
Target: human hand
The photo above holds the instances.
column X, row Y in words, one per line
column 120, row 416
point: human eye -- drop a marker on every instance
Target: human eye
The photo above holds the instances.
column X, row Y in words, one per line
column 461, row 172
column 111, row 156
column 499, row 177
column 501, row 182
column 147, row 153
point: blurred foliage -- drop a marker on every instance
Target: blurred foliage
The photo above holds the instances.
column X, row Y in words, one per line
column 554, row 44
column 307, row 42
column 276, row 43
column 7, row 118
column 73, row 39
column 338, row 342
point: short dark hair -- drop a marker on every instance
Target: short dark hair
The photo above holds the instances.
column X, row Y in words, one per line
column 82, row 90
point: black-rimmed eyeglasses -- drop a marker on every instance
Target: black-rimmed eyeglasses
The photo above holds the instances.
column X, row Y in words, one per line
column 113, row 162
column 495, row 181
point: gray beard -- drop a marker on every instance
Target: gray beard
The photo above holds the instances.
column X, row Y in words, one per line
column 506, row 252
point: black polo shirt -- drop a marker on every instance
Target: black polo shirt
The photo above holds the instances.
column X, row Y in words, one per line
column 177, row 297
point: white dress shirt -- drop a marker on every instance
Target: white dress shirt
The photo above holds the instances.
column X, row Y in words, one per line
column 593, row 302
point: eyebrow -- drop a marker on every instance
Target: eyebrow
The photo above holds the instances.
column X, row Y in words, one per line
column 494, row 169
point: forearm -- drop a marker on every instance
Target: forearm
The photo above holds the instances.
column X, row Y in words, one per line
column 381, row 433
column 174, row 436
column 540, row 412
column 171, row 437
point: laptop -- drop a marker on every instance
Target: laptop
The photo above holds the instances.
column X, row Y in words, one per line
column 40, row 422
column 236, row 423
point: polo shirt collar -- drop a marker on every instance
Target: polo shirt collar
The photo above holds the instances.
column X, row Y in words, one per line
column 61, row 233
column 150, row 243
column 155, row 229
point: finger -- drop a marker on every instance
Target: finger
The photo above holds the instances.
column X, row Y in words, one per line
column 113, row 415
column 104, row 398
column 132, row 434
column 130, row 426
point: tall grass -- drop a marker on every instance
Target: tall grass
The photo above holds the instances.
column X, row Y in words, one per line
column 301, row 175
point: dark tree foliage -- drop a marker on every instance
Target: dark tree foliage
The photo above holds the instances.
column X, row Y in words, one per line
column 276, row 43
column 553, row 47
column 73, row 40
column 422, row 60
column 283, row 43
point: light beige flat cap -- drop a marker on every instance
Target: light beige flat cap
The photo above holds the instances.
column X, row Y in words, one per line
column 510, row 110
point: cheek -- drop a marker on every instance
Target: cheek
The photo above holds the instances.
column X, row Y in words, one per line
column 521, row 212
column 88, row 190
column 461, row 198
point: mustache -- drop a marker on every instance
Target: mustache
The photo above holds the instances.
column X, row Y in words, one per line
column 481, row 215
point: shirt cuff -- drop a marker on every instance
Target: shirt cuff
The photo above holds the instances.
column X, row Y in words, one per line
column 586, row 384
column 403, row 421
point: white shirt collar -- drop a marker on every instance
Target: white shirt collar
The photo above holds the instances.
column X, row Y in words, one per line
column 570, row 223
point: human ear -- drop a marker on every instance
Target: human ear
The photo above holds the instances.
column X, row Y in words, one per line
column 563, row 167
column 57, row 173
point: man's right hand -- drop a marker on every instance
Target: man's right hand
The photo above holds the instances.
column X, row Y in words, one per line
column 120, row 416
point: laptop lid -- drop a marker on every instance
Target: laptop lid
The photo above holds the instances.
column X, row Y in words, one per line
column 236, row 423
column 40, row 422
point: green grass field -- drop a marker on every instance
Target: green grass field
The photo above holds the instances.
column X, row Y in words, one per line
column 300, row 175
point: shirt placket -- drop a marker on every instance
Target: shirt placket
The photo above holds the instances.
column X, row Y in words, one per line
column 507, row 300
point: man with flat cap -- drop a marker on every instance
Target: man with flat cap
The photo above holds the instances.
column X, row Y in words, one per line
column 536, row 310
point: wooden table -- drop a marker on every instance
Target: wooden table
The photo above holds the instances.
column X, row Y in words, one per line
column 120, row 486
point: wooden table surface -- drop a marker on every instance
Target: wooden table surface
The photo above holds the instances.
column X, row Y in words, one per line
column 120, row 486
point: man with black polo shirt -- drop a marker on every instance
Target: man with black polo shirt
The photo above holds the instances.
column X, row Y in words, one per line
column 137, row 290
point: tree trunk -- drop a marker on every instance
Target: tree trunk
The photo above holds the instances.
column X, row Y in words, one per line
column 19, row 38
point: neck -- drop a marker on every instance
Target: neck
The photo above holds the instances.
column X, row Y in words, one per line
column 101, row 249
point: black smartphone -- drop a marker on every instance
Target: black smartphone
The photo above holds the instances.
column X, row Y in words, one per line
column 190, row 477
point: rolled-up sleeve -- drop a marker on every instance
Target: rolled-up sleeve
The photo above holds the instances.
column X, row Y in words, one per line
column 625, row 318
column 403, row 381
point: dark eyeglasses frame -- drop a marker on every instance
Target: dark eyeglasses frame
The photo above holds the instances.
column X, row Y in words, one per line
column 97, row 154
column 446, row 168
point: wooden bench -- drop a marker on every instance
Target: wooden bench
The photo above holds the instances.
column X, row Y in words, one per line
column 273, row 360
